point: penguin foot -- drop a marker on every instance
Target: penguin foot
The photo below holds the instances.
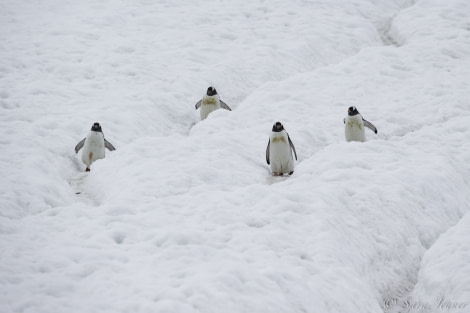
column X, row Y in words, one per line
column 290, row 173
column 87, row 169
column 277, row 174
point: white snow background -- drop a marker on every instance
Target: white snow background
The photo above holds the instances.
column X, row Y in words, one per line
column 185, row 216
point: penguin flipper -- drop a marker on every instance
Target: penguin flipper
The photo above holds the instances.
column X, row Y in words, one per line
column 292, row 146
column 108, row 145
column 267, row 151
column 224, row 105
column 369, row 125
column 80, row 145
column 198, row 104
column 344, row 120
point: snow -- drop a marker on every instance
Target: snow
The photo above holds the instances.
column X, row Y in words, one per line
column 185, row 216
column 443, row 278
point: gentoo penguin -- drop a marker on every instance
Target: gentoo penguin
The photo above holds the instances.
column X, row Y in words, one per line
column 279, row 151
column 210, row 102
column 354, row 126
column 93, row 146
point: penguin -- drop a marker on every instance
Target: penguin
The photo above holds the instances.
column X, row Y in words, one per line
column 354, row 126
column 279, row 151
column 93, row 146
column 210, row 102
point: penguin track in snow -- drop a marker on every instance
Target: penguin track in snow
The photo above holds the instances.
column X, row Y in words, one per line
column 78, row 184
column 77, row 181
column 271, row 180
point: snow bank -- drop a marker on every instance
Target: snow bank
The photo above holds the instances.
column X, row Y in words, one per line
column 444, row 277
column 184, row 216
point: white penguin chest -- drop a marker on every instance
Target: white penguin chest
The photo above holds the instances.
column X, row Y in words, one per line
column 281, row 158
column 94, row 147
column 354, row 129
column 280, row 150
column 209, row 104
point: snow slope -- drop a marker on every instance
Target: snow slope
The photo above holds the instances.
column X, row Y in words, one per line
column 443, row 278
column 184, row 216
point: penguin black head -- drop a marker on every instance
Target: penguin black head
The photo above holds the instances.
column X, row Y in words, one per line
column 352, row 111
column 277, row 127
column 211, row 91
column 96, row 127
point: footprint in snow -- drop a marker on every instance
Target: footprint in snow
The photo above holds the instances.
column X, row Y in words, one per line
column 275, row 179
column 77, row 182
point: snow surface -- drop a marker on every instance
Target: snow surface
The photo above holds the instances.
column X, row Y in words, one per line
column 444, row 279
column 184, row 216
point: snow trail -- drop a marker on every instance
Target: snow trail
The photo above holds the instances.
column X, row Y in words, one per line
column 184, row 216
column 78, row 184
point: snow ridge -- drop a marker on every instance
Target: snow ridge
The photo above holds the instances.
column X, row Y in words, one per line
column 184, row 216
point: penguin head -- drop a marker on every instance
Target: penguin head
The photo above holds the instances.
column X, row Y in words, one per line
column 352, row 111
column 96, row 127
column 278, row 127
column 211, row 91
